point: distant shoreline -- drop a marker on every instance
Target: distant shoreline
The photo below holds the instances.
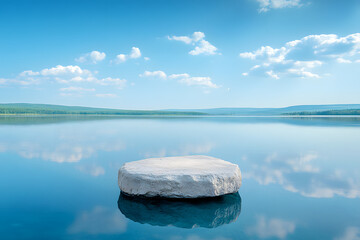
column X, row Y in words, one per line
column 177, row 116
column 33, row 110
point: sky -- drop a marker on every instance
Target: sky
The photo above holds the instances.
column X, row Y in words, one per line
column 166, row 54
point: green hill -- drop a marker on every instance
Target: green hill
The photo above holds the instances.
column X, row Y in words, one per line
column 293, row 110
column 45, row 109
column 329, row 112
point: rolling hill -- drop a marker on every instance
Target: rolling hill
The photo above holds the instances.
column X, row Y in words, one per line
column 46, row 109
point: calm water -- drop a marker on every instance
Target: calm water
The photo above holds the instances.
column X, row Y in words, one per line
column 301, row 178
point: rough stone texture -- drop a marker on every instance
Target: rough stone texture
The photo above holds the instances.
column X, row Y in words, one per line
column 179, row 177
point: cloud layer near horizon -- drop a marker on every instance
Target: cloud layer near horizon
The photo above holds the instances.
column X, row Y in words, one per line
column 299, row 58
column 183, row 78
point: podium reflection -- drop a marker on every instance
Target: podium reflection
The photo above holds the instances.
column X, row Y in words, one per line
column 183, row 213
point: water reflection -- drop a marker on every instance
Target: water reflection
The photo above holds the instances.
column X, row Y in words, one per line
column 206, row 213
column 99, row 220
column 294, row 171
column 271, row 228
column 320, row 121
column 351, row 233
column 301, row 174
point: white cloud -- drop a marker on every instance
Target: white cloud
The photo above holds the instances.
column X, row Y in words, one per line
column 184, row 39
column 62, row 70
column 266, row 5
column 77, row 89
column 66, row 75
column 272, row 74
column 308, row 64
column 351, row 233
column 273, row 227
column 191, row 81
column 159, row 74
column 25, row 78
column 24, row 81
column 93, row 57
column 183, row 78
column 105, row 95
column 97, row 56
column 298, row 58
column 266, row 53
column 342, row 60
column 119, row 83
column 99, row 220
column 121, row 58
column 197, row 36
column 301, row 72
column 135, row 53
column 204, row 48
column 197, row 39
column 29, row 73
column 62, row 74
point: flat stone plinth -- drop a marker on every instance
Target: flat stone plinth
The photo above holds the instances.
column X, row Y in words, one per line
column 179, row 177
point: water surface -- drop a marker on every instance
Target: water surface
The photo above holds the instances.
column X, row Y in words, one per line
column 58, row 178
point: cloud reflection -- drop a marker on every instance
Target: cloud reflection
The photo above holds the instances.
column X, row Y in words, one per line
column 196, row 237
column 99, row 220
column 92, row 169
column 271, row 227
column 182, row 150
column 300, row 175
column 62, row 151
column 60, row 154
column 2, row 148
column 351, row 233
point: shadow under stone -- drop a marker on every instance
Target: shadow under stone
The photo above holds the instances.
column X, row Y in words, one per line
column 183, row 213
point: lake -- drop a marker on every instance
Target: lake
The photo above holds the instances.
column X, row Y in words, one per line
column 301, row 178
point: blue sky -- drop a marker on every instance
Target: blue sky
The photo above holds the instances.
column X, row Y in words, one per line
column 180, row 54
